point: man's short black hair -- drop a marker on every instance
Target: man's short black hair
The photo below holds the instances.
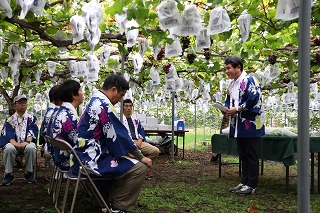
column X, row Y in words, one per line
column 117, row 81
column 54, row 94
column 68, row 89
column 234, row 61
column 126, row 101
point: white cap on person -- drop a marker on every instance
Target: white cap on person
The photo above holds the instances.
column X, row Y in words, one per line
column 19, row 97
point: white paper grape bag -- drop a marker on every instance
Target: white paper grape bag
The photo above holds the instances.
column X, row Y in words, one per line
column 168, row 14
column 219, row 21
column 25, row 7
column 5, row 6
column 173, row 49
column 78, row 26
column 121, row 20
column 38, row 6
column 244, row 22
column 132, row 32
column 154, row 75
column 143, row 45
column 202, row 40
column 105, row 55
column 190, row 22
column 137, row 62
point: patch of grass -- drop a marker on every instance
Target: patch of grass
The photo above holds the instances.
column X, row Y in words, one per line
column 209, row 193
column 200, row 149
column 185, row 163
column 230, row 159
column 200, row 139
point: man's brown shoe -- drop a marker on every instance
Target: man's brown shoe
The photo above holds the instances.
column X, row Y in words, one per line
column 149, row 175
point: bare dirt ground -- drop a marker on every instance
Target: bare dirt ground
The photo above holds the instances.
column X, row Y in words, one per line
column 23, row 197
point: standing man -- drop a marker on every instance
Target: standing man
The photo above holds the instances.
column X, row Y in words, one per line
column 64, row 124
column 19, row 136
column 244, row 101
column 104, row 146
column 136, row 132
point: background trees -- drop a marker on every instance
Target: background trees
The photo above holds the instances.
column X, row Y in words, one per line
column 50, row 39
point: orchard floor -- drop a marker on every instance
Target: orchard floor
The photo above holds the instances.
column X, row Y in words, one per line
column 195, row 170
column 20, row 196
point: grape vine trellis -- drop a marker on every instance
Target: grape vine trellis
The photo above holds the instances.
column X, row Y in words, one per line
column 268, row 37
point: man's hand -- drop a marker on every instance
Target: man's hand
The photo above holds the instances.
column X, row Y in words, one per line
column 146, row 161
column 18, row 145
column 138, row 142
column 231, row 112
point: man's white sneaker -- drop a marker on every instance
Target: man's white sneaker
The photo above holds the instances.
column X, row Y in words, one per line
column 245, row 190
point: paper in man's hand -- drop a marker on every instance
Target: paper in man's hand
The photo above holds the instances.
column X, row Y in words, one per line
column 220, row 106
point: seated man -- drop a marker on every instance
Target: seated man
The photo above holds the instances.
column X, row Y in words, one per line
column 19, row 136
column 104, row 145
column 64, row 125
column 136, row 132
column 54, row 104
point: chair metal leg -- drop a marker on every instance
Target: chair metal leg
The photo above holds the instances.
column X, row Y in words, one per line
column 49, row 165
column 66, row 191
column 52, row 179
column 58, row 187
column 75, row 193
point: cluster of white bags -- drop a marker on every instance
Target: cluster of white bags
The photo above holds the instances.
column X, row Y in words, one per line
column 271, row 72
column 92, row 15
column 36, row 6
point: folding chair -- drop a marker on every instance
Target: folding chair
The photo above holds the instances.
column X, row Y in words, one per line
column 83, row 175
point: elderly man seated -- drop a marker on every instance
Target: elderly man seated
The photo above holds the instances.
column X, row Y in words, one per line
column 19, row 137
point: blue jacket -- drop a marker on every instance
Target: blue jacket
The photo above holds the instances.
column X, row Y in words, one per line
column 8, row 131
column 249, row 123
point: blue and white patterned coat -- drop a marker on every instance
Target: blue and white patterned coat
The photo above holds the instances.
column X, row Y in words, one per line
column 9, row 130
column 249, row 123
column 45, row 122
column 64, row 126
column 103, row 141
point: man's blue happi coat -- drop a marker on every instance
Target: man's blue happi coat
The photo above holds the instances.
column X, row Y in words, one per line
column 8, row 131
column 103, row 141
column 64, row 126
